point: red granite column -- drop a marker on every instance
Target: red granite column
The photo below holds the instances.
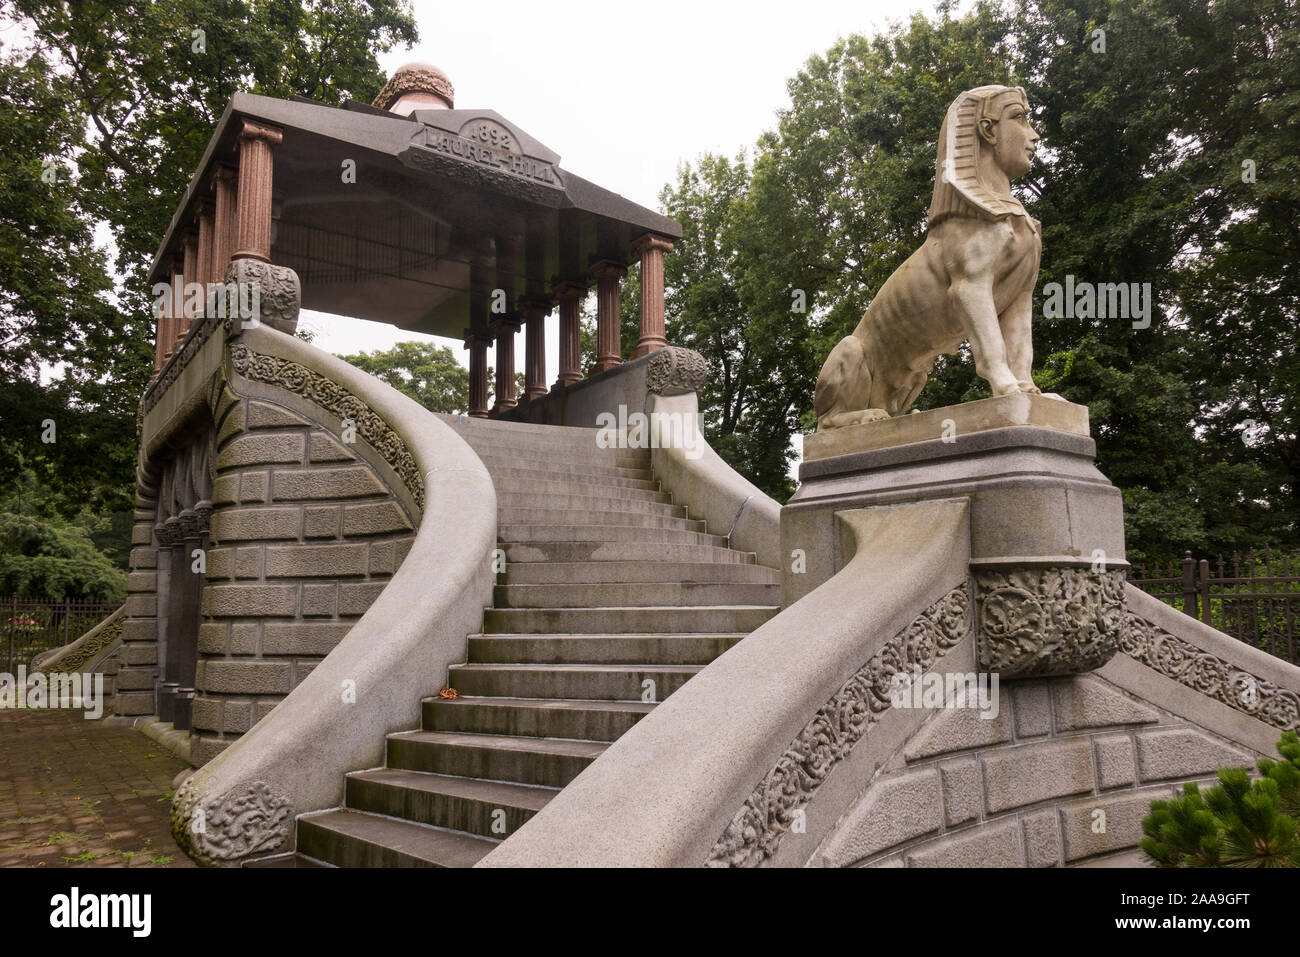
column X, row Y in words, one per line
column 190, row 271
column 570, row 295
column 203, row 276
column 175, row 304
column 256, row 169
column 608, row 275
column 504, row 330
column 535, row 313
column 651, row 249
column 478, row 378
column 223, row 239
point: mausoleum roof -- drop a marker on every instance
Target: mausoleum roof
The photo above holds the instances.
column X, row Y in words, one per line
column 446, row 205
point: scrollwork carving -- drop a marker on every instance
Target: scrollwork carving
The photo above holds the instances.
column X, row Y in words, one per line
column 676, row 371
column 245, row 821
column 1210, row 675
column 1048, row 621
column 758, row 827
column 298, row 379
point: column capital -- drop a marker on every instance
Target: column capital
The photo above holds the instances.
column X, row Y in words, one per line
column 472, row 336
column 205, row 206
column 562, row 288
column 504, row 325
column 607, row 269
column 650, row 241
column 257, row 130
column 533, row 307
column 224, row 173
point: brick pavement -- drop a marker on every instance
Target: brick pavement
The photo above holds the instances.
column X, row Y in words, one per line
column 74, row 793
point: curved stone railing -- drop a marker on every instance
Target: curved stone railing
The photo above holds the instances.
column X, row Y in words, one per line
column 244, row 802
column 694, row 473
column 87, row 651
column 1251, row 682
column 736, row 762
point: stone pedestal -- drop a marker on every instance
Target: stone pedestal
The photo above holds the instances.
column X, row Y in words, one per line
column 1047, row 528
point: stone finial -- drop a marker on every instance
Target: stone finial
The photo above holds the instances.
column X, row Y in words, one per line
column 279, row 294
column 416, row 86
column 676, row 371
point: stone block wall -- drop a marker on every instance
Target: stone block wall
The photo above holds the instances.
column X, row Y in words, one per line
column 1064, row 773
column 138, row 670
column 304, row 536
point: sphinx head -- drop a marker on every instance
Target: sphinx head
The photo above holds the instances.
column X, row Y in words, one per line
column 1004, row 130
column 985, row 142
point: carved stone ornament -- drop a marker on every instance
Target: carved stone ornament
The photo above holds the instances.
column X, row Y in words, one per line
column 87, row 649
column 1210, row 675
column 676, row 371
column 758, row 827
column 246, row 821
column 279, row 291
column 415, row 78
column 1033, row 622
column 298, row 379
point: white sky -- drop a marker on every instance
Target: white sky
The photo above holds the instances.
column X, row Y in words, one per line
column 623, row 92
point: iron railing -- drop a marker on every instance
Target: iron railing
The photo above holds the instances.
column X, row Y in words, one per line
column 34, row 625
column 1243, row 596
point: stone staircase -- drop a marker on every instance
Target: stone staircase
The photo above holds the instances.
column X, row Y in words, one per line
column 612, row 599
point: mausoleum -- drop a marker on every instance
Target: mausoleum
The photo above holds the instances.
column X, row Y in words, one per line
column 384, row 636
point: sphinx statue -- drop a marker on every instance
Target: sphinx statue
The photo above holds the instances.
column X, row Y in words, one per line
column 972, row 279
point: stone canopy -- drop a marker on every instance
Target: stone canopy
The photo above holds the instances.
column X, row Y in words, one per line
column 444, row 207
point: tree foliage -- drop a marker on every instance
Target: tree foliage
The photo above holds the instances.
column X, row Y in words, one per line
column 1240, row 822
column 1139, row 180
column 429, row 374
column 106, row 110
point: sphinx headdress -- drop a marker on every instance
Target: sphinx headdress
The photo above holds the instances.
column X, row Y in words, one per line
column 958, row 190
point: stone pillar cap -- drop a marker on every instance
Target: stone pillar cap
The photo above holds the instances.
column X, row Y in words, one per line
column 415, row 86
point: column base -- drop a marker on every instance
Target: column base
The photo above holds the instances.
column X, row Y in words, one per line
column 603, row 365
column 647, row 346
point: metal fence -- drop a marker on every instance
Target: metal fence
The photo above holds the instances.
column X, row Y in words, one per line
column 1253, row 597
column 34, row 625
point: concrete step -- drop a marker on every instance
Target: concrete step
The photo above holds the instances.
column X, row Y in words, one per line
column 540, row 478
column 583, row 682
column 599, row 649
column 645, row 620
column 500, row 430
column 559, row 465
column 578, row 518
column 534, row 717
column 628, row 551
column 558, row 491
column 530, row 498
column 550, row 762
column 632, row 594
column 583, row 443
column 526, row 534
column 573, row 573
column 491, row 809
column 348, row 838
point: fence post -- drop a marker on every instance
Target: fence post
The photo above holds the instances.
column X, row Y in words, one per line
column 13, row 624
column 1205, row 591
column 67, row 618
column 1189, row 585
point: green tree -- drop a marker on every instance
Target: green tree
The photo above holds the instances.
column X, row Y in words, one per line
column 106, row 111
column 1240, row 822
column 429, row 374
column 45, row 555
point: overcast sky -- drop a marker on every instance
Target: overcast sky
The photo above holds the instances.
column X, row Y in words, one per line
column 624, row 92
